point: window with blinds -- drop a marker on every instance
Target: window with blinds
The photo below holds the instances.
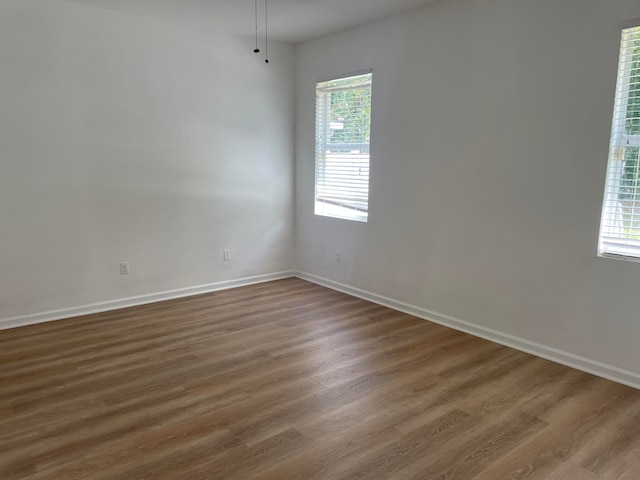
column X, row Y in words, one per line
column 620, row 226
column 343, row 127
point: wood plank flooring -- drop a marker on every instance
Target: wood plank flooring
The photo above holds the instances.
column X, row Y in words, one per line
column 288, row 380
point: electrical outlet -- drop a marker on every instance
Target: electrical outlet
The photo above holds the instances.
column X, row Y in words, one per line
column 124, row 268
column 338, row 257
column 226, row 255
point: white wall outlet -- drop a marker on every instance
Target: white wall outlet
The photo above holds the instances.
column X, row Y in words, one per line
column 338, row 257
column 124, row 268
column 226, row 255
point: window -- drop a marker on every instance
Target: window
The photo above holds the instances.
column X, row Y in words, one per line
column 343, row 125
column 620, row 226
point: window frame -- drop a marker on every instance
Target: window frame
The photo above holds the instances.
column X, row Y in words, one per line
column 628, row 249
column 357, row 208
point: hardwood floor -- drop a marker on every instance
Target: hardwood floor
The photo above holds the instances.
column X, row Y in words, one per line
column 288, row 380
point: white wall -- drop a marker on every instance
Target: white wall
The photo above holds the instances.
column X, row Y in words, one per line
column 490, row 132
column 124, row 138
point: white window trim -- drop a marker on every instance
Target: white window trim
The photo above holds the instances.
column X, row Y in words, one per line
column 609, row 244
column 357, row 159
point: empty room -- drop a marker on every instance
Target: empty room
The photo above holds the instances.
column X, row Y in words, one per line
column 319, row 239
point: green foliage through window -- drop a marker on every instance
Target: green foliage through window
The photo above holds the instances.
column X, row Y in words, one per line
column 351, row 109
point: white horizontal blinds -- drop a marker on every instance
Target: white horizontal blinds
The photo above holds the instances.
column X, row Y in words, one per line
column 620, row 227
column 343, row 126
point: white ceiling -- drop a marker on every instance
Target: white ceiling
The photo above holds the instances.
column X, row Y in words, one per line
column 289, row 20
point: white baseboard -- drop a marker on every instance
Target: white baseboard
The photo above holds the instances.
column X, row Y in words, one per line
column 31, row 319
column 610, row 372
column 619, row 375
